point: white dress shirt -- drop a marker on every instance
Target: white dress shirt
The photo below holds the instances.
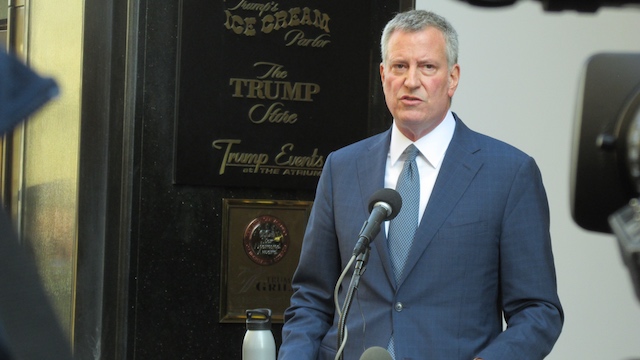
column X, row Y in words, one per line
column 432, row 148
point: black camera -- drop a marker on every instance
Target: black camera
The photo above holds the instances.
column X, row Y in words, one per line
column 605, row 173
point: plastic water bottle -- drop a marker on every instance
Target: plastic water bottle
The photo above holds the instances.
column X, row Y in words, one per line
column 259, row 343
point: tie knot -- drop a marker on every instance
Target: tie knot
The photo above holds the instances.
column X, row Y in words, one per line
column 411, row 152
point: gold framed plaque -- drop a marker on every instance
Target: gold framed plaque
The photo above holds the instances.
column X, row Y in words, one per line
column 261, row 242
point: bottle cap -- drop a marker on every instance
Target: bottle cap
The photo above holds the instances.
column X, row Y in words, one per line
column 259, row 319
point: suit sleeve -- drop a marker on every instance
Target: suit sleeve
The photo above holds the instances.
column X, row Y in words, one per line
column 528, row 287
column 311, row 313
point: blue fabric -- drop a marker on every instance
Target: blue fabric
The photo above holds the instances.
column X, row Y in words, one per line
column 22, row 91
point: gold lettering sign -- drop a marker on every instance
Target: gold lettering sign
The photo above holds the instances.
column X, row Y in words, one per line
column 268, row 89
column 271, row 85
column 270, row 18
column 284, row 162
column 261, row 247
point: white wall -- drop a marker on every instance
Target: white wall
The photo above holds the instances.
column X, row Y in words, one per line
column 519, row 80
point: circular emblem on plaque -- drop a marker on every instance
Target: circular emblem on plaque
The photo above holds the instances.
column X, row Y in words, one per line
column 266, row 240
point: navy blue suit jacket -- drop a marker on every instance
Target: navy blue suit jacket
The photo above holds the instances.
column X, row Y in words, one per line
column 482, row 251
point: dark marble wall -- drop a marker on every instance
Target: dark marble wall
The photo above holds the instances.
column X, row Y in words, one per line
column 162, row 284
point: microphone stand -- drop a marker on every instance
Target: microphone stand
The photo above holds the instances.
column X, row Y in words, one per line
column 359, row 269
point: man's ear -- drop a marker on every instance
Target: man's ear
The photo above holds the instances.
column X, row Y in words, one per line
column 454, row 78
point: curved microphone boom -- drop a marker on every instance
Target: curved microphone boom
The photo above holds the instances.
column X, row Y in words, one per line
column 384, row 205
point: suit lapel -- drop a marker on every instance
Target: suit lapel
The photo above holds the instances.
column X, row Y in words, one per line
column 459, row 167
column 371, row 170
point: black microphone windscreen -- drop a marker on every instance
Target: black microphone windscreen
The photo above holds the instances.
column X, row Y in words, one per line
column 388, row 196
column 376, row 353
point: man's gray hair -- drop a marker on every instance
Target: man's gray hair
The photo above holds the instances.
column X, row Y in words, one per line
column 418, row 20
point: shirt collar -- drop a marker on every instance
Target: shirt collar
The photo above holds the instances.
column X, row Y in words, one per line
column 432, row 146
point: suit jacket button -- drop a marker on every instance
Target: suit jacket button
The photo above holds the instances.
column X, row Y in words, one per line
column 398, row 306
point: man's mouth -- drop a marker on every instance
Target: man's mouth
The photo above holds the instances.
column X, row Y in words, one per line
column 410, row 99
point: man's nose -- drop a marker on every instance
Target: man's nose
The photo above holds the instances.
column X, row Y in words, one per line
column 412, row 77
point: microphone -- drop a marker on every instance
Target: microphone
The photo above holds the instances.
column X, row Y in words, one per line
column 376, row 353
column 384, row 205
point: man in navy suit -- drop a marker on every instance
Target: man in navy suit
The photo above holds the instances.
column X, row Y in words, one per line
column 479, row 281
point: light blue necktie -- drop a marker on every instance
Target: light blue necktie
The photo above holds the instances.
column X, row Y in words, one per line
column 403, row 227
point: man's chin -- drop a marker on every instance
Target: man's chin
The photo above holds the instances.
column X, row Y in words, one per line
column 416, row 124
column 412, row 117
